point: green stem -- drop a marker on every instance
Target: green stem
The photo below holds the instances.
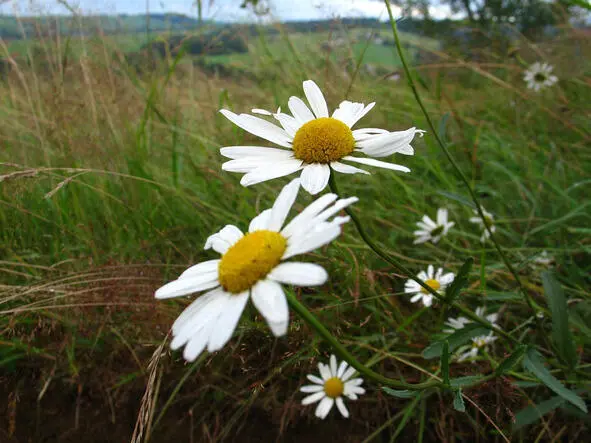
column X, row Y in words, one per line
column 404, row 270
column 342, row 352
column 415, row 91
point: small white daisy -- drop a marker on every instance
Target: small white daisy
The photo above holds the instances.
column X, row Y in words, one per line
column 489, row 221
column 458, row 323
column 334, row 383
column 436, row 280
column 478, row 343
column 544, row 259
column 313, row 142
column 433, row 231
column 253, row 264
column 539, row 76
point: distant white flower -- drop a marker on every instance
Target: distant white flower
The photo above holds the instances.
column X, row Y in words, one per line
column 539, row 76
column 436, row 280
column 313, row 142
column 433, row 231
column 253, row 265
column 334, row 383
column 478, row 343
column 458, row 323
column 544, row 259
column 488, row 217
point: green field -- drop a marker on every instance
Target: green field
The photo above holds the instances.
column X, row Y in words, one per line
column 111, row 182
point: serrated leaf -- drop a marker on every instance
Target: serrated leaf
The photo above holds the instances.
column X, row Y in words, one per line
column 464, row 381
column 533, row 413
column 455, row 340
column 561, row 334
column 534, row 363
column 397, row 393
column 459, row 401
column 507, row 364
column 460, row 280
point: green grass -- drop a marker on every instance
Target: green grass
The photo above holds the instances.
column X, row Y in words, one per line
column 111, row 183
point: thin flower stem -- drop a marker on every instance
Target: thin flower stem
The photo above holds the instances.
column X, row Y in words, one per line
column 404, row 270
column 533, row 306
column 342, row 352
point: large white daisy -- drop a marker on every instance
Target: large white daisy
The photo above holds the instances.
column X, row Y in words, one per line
column 253, row 265
column 334, row 383
column 489, row 220
column 435, row 280
column 539, row 76
column 313, row 142
column 433, row 231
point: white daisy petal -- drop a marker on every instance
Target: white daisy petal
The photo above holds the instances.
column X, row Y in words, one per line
column 341, row 407
column 271, row 171
column 383, row 145
column 348, row 374
column 313, row 398
column 324, row 407
column 377, row 163
column 259, row 127
column 289, row 123
column 299, row 274
column 333, row 365
column 227, row 321
column 324, row 371
column 300, row 111
column 260, row 222
column 315, row 379
column 201, row 268
column 269, row 299
column 238, row 152
column 194, row 308
column 315, row 177
column 283, row 204
column 342, row 368
column 346, row 169
column 311, row 388
column 260, row 111
column 188, row 285
column 196, row 344
column 312, row 241
column 316, row 99
column 303, row 218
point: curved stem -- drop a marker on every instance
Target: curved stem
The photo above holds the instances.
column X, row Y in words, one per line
column 342, row 352
column 402, row 269
column 459, row 172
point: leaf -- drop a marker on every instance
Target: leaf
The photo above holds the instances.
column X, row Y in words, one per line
column 455, row 340
column 464, row 381
column 399, row 394
column 442, row 129
column 502, row 296
column 459, row 401
column 533, row 413
column 507, row 364
column 457, row 197
column 445, row 363
column 535, row 364
column 561, row 334
column 460, row 280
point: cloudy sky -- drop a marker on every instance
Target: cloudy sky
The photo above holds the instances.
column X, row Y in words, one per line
column 222, row 10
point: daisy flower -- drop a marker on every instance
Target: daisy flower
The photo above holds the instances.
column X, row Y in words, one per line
column 489, row 219
column 436, row 280
column 313, row 142
column 539, row 76
column 433, row 231
column 458, row 323
column 478, row 343
column 544, row 259
column 253, row 265
column 328, row 389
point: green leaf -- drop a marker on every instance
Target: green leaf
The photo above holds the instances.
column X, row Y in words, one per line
column 463, row 381
column 535, row 364
column 445, row 363
column 457, row 197
column 512, row 360
column 502, row 296
column 399, row 394
column 460, row 280
column 455, row 340
column 533, row 413
column 561, row 334
column 459, row 401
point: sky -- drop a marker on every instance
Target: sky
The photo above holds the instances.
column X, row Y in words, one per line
column 220, row 10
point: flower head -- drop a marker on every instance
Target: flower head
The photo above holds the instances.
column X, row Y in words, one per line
column 543, row 260
column 488, row 219
column 433, row 231
column 539, row 76
column 436, row 280
column 334, row 383
column 312, row 141
column 253, row 265
column 458, row 323
column 478, row 343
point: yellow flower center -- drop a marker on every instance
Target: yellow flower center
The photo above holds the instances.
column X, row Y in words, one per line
column 334, row 387
column 250, row 259
column 323, row 140
column 480, row 343
column 433, row 284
